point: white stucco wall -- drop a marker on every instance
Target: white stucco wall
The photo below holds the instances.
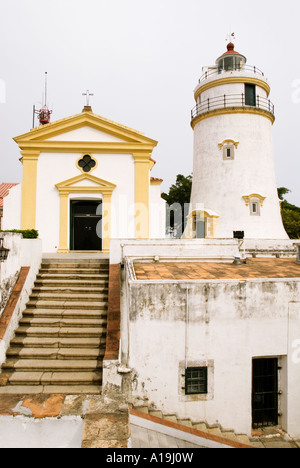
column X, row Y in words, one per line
column 229, row 89
column 58, row 167
column 215, row 77
column 219, row 324
column 157, row 215
column 26, row 432
column 12, row 209
column 220, row 184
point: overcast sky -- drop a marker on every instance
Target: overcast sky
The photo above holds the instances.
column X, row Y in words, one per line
column 142, row 60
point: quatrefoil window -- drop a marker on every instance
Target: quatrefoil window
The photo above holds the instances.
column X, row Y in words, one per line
column 87, row 163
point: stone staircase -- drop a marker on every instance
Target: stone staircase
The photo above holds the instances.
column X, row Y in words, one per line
column 60, row 342
column 214, row 430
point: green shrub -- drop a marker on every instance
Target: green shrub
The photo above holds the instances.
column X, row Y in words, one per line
column 27, row 234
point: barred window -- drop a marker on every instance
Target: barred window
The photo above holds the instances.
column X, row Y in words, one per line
column 196, row 380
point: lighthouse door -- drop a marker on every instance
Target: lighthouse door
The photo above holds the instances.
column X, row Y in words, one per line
column 250, row 95
column 200, row 229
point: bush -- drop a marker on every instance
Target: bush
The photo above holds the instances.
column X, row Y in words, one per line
column 27, row 234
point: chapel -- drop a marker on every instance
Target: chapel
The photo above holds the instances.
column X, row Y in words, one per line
column 86, row 179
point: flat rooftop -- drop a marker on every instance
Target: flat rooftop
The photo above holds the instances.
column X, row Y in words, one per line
column 256, row 268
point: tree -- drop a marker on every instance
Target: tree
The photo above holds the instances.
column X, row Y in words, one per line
column 290, row 215
column 178, row 200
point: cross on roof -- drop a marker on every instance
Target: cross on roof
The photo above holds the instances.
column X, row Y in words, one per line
column 88, row 95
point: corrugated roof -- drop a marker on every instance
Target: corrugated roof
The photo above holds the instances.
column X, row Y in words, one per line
column 4, row 189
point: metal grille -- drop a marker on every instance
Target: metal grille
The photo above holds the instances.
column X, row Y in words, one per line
column 87, row 163
column 196, row 380
column 265, row 392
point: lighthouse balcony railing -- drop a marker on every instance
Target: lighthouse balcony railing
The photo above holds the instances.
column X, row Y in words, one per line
column 218, row 71
column 232, row 101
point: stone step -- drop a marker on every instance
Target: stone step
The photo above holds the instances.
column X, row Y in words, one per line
column 74, row 264
column 62, row 322
column 157, row 414
column 185, row 422
column 72, row 271
column 243, row 439
column 87, row 297
column 72, row 389
column 56, row 342
column 82, row 305
column 52, row 365
column 171, row 417
column 55, row 378
column 72, row 283
column 229, row 435
column 65, row 332
column 200, row 427
column 215, row 431
column 71, row 264
column 62, row 289
column 65, row 313
column 72, row 276
column 55, row 353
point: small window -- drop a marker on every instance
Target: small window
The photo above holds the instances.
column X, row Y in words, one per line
column 86, row 163
column 196, row 380
column 254, row 208
column 228, row 152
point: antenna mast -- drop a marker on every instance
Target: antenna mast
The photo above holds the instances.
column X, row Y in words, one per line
column 44, row 113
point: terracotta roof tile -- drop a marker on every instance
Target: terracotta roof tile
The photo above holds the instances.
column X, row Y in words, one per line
column 4, row 189
column 257, row 268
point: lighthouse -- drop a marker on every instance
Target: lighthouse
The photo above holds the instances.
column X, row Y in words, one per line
column 234, row 186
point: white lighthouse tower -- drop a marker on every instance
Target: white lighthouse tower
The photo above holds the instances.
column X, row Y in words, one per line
column 234, row 186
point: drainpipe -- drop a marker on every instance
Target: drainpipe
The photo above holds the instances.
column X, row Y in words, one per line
column 298, row 257
column 187, row 320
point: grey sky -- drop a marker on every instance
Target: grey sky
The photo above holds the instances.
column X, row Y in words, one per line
column 142, row 60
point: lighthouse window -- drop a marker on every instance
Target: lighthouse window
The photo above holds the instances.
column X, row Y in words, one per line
column 229, row 63
column 255, row 208
column 228, row 152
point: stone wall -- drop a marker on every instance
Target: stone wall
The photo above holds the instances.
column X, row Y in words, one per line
column 9, row 270
column 220, row 324
column 23, row 253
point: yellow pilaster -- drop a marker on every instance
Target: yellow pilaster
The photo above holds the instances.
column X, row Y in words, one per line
column 29, row 184
column 64, row 223
column 142, row 168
